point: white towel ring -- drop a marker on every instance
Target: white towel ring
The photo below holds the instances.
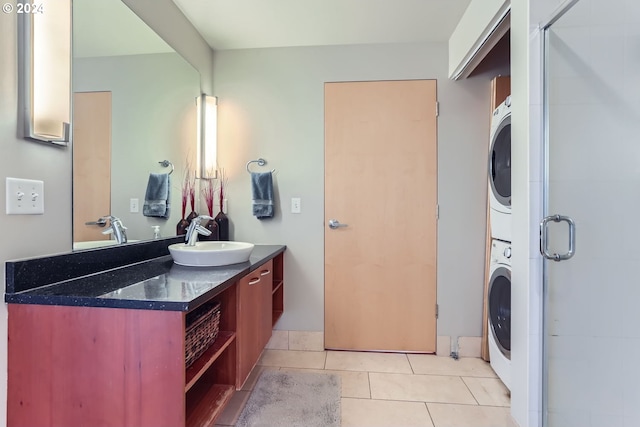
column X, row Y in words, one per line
column 260, row 162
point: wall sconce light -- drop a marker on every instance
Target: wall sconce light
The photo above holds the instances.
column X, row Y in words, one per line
column 207, row 151
column 44, row 72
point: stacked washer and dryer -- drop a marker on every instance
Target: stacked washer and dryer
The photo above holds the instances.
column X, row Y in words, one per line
column 499, row 289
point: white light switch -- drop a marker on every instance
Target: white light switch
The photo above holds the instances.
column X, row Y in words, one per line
column 25, row 197
column 295, row 205
column 134, row 205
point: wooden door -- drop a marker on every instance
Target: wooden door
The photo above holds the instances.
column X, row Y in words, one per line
column 91, row 163
column 381, row 181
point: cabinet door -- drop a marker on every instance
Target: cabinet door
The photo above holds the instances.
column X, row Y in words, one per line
column 266, row 303
column 249, row 315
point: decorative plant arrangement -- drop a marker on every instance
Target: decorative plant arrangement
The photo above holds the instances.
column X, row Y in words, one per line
column 192, row 195
column 188, row 191
column 185, row 194
column 223, row 185
column 208, row 192
column 221, row 218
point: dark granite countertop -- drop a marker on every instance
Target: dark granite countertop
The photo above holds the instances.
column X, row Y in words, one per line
column 153, row 284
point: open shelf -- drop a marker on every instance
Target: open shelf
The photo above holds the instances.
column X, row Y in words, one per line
column 277, row 292
column 277, row 302
column 200, row 366
column 276, row 285
column 209, row 405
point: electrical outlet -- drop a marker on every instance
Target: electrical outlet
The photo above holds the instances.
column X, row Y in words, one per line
column 134, row 205
column 295, row 205
column 24, row 196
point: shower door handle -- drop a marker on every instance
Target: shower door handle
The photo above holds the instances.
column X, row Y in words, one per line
column 544, row 240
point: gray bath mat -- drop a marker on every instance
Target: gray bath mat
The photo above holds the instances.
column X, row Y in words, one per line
column 292, row 398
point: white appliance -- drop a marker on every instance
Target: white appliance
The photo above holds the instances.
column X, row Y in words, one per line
column 500, row 172
column 499, row 304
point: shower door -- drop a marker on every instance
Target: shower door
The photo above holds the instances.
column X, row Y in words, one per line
column 592, row 199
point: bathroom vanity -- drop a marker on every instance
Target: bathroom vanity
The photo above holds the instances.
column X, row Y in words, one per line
column 108, row 348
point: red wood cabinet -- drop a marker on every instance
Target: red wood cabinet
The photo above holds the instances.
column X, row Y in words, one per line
column 74, row 366
column 90, row 366
column 254, row 317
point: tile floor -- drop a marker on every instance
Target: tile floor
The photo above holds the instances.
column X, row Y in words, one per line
column 390, row 389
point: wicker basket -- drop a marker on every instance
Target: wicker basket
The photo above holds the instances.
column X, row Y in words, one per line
column 201, row 331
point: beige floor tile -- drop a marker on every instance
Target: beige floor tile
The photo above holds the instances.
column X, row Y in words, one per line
column 369, row 362
column 445, row 415
column 293, row 359
column 465, row 366
column 488, row 391
column 354, row 384
column 279, row 340
column 230, row 415
column 302, row 340
column 380, row 413
column 422, row 388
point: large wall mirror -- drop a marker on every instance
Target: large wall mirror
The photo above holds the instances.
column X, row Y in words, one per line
column 134, row 106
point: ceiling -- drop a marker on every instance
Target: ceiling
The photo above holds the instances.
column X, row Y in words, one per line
column 244, row 24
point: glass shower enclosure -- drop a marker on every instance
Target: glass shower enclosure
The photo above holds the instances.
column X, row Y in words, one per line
column 591, row 234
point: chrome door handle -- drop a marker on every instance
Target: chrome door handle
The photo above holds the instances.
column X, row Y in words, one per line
column 334, row 223
column 100, row 222
column 544, row 241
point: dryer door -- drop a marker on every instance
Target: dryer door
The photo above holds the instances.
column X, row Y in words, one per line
column 500, row 308
column 500, row 162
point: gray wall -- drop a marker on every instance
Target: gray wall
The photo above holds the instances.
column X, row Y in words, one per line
column 271, row 105
column 153, row 118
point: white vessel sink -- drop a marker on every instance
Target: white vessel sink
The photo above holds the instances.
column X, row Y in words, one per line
column 210, row 254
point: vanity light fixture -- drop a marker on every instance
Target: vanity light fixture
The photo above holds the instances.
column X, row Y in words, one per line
column 206, row 161
column 44, row 70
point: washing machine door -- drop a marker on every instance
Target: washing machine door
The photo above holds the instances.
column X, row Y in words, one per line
column 500, row 162
column 499, row 301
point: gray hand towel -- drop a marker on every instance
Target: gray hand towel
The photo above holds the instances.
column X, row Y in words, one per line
column 158, row 195
column 262, row 191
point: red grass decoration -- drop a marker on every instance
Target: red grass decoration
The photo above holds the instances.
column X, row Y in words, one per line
column 222, row 189
column 208, row 192
column 192, row 192
column 185, row 192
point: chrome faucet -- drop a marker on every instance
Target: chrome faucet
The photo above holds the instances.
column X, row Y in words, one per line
column 116, row 228
column 196, row 228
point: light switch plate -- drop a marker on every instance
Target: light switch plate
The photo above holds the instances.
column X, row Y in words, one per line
column 134, row 205
column 24, row 196
column 295, row 205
